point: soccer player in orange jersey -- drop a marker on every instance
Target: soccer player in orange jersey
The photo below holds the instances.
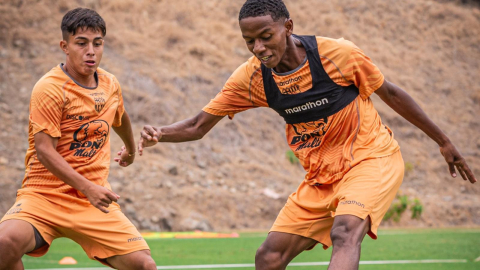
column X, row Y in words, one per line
column 321, row 87
column 65, row 192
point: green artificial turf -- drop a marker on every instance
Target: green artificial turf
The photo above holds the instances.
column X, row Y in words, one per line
column 419, row 244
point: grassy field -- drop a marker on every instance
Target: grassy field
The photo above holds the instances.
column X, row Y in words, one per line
column 238, row 253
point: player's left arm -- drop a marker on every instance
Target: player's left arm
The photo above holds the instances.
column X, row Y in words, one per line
column 402, row 103
column 126, row 155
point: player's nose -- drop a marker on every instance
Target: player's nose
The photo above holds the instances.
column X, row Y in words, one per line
column 90, row 50
column 258, row 48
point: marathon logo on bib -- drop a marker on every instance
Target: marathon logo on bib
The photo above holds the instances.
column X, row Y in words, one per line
column 307, row 106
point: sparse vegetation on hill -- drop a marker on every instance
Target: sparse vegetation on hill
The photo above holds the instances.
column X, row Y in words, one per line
column 173, row 57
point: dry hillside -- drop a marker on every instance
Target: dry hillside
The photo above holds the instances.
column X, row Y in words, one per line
column 172, row 57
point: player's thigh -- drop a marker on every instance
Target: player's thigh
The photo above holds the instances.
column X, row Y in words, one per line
column 306, row 214
column 141, row 259
column 286, row 245
column 369, row 187
column 16, row 236
column 105, row 236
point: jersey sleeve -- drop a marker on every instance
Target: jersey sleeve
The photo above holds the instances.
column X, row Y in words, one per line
column 46, row 109
column 117, row 121
column 360, row 70
column 235, row 95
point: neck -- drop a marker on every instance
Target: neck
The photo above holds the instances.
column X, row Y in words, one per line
column 292, row 58
column 85, row 80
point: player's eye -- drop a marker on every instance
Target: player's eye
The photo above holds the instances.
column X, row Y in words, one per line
column 267, row 37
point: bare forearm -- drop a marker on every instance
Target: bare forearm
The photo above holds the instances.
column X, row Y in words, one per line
column 182, row 131
column 125, row 133
column 187, row 130
column 404, row 105
column 59, row 167
column 97, row 195
column 190, row 129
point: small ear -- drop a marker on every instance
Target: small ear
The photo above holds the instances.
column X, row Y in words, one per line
column 289, row 26
column 63, row 46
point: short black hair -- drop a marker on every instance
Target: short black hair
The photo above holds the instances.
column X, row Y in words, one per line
column 257, row 8
column 82, row 18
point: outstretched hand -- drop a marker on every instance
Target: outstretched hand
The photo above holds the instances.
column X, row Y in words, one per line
column 124, row 157
column 455, row 160
column 149, row 136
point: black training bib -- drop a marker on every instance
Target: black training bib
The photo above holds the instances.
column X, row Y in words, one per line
column 325, row 98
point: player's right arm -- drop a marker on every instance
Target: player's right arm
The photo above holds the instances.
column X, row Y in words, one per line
column 190, row 129
column 45, row 146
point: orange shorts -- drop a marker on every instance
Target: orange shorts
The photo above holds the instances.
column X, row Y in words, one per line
column 100, row 235
column 367, row 189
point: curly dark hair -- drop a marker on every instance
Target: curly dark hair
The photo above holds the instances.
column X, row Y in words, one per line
column 256, row 8
column 82, row 18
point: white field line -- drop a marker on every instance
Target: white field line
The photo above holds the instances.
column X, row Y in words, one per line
column 380, row 233
column 477, row 259
column 406, row 232
column 245, row 265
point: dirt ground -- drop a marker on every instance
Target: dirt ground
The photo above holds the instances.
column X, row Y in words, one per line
column 171, row 59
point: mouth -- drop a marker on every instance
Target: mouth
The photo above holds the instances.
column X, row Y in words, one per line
column 90, row 63
column 265, row 58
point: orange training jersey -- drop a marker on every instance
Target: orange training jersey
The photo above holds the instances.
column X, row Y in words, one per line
column 328, row 147
column 82, row 119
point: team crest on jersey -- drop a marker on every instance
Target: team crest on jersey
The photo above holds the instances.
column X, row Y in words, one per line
column 89, row 138
column 309, row 135
column 99, row 103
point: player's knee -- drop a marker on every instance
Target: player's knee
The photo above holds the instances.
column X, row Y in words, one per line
column 344, row 235
column 139, row 260
column 151, row 264
column 10, row 251
column 268, row 259
column 349, row 231
column 8, row 245
column 146, row 264
column 339, row 236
